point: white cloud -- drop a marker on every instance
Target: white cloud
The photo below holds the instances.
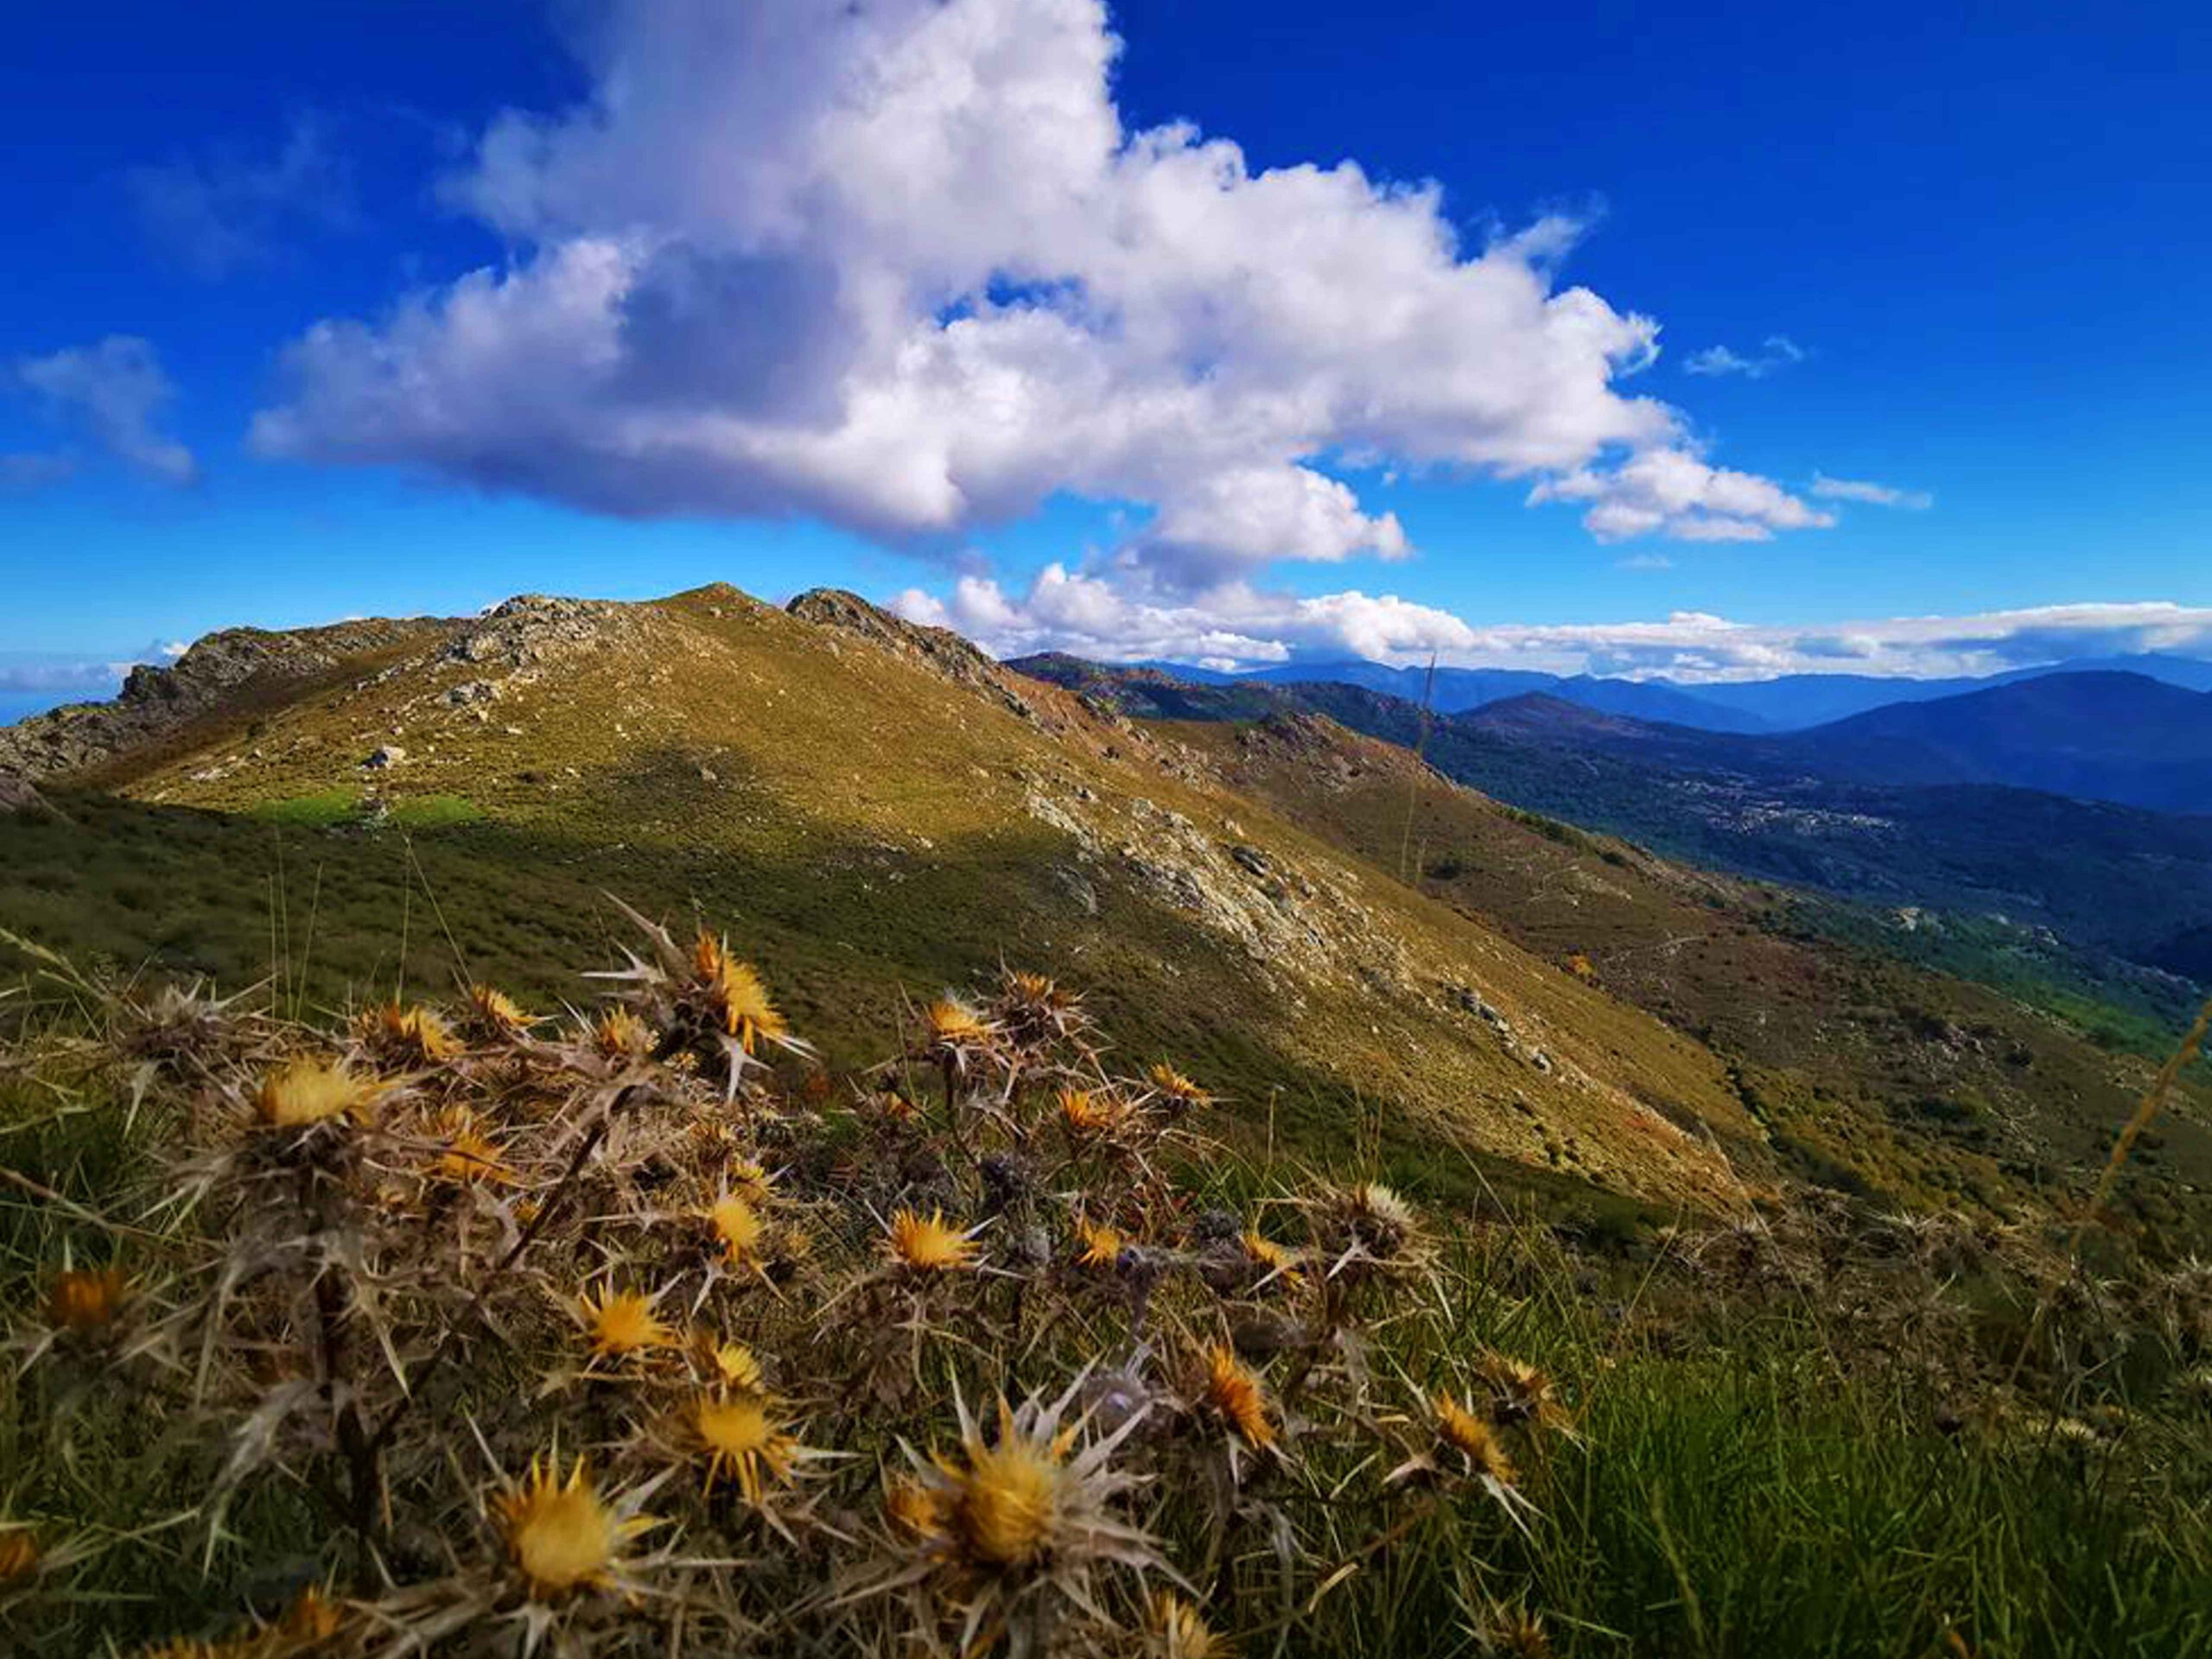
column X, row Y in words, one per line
column 1237, row 624
column 899, row 265
column 114, row 393
column 78, row 677
column 1064, row 610
column 1775, row 352
column 217, row 213
column 1880, row 495
column 1672, row 492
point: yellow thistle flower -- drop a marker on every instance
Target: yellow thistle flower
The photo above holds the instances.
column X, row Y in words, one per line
column 1233, row 1393
column 469, row 1154
column 751, row 1180
column 1016, row 1515
column 1102, row 1246
column 1022, row 986
column 307, row 1092
column 620, row 1034
column 929, row 1244
column 740, row 1228
column 20, row 1555
column 1380, row 1222
column 913, row 1508
column 738, row 997
column 1006, row 1499
column 1181, row 1632
column 1473, row 1439
column 1089, row 1113
column 1520, row 1393
column 497, row 1012
column 952, row 1023
column 621, row 1322
column 562, row 1537
column 1035, row 1009
column 84, row 1299
column 1265, row 1254
column 733, row 1362
column 313, row 1617
column 743, row 1440
column 1516, row 1633
column 1174, row 1086
column 415, row 1036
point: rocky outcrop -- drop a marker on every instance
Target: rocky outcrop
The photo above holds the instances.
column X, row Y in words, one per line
column 18, row 798
column 937, row 648
column 532, row 630
column 155, row 701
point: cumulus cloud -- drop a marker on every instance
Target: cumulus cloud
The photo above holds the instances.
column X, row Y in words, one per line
column 1880, row 495
column 218, row 213
column 1775, row 352
column 1672, row 492
column 1232, row 623
column 114, row 394
column 898, row 265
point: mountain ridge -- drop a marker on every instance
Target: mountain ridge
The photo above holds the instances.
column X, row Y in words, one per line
column 880, row 804
column 1787, row 702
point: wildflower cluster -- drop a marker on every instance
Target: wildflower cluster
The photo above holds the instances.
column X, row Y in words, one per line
column 617, row 1331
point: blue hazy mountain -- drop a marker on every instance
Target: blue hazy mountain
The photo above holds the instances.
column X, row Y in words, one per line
column 1791, row 702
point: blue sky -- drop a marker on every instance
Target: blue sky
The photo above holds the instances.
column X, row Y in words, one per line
column 1944, row 252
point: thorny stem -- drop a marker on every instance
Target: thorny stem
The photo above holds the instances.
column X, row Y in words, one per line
column 332, row 1303
column 450, row 1341
column 2153, row 1098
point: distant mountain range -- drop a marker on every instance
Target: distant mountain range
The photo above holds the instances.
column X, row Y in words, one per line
column 1793, row 703
column 1967, row 802
column 2101, row 736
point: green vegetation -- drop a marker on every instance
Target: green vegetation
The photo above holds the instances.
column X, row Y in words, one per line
column 318, row 811
column 1785, row 1212
column 434, row 811
column 1816, row 1427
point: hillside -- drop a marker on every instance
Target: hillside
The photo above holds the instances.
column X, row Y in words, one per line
column 879, row 804
column 2097, row 736
column 1448, row 690
column 1387, row 1180
column 1861, row 1064
column 2048, row 869
column 871, row 805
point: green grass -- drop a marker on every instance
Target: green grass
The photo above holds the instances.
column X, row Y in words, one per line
column 1813, row 1455
column 434, row 811
column 315, row 811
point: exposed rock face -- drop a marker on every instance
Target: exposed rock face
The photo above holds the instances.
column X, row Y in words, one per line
column 940, row 648
column 530, row 631
column 155, row 701
column 17, row 798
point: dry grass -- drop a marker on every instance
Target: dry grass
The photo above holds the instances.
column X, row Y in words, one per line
column 487, row 1330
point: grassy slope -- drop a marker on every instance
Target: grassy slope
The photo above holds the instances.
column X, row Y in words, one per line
column 860, row 821
column 1924, row 1086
